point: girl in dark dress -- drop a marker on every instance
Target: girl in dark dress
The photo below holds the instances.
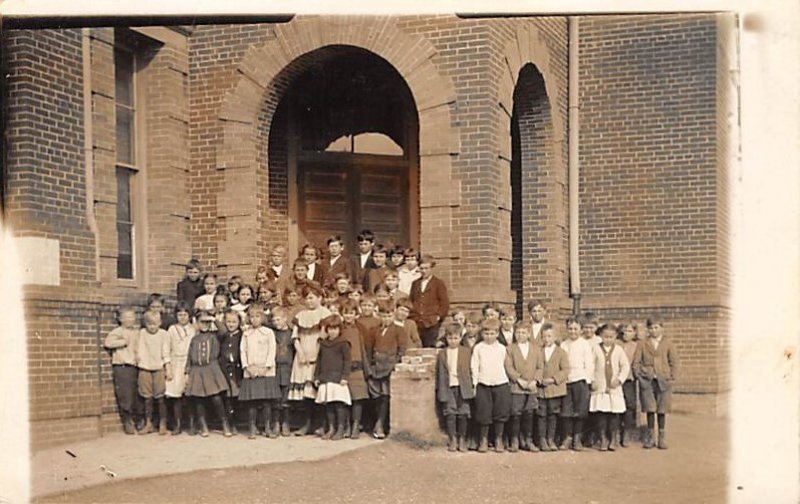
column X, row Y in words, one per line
column 330, row 376
column 230, row 361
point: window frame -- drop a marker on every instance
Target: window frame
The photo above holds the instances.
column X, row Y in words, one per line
column 131, row 42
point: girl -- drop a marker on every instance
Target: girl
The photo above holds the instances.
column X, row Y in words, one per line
column 627, row 334
column 490, row 311
column 610, row 370
column 230, row 362
column 265, row 294
column 409, row 271
column 261, row 275
column 299, row 276
column 356, row 292
column 206, row 301
column 330, row 376
column 306, row 335
column 311, row 256
column 245, row 298
column 220, row 307
column 396, row 257
column 234, row 284
column 342, row 285
column 204, row 378
column 291, row 302
column 180, row 335
column 259, row 386
column 359, row 368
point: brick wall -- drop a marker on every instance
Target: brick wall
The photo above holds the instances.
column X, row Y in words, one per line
column 653, row 210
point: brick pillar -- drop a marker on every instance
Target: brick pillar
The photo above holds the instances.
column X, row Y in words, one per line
column 412, row 410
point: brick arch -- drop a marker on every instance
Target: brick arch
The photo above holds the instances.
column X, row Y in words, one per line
column 529, row 83
column 262, row 77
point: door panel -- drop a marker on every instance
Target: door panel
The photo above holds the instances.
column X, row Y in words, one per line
column 343, row 196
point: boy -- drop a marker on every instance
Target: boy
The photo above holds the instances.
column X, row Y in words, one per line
column 429, row 300
column 589, row 324
column 153, row 361
column 401, row 314
column 367, row 319
column 284, row 356
column 655, row 365
column 454, row 387
column 337, row 263
column 391, row 282
column 362, row 263
column 277, row 271
column 384, row 345
column 538, row 314
column 575, row 406
column 314, row 271
column 472, row 329
column 492, row 392
column 123, row 342
column 554, row 363
column 191, row 287
column 155, row 303
column 522, row 367
column 507, row 321
column 374, row 277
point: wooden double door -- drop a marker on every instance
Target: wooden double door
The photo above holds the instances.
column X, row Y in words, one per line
column 343, row 193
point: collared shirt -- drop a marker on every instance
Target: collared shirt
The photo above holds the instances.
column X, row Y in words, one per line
column 524, row 348
column 278, row 270
column 536, row 328
column 312, row 268
column 364, row 258
column 488, row 364
column 424, row 284
column 333, row 260
column 655, row 341
column 406, row 277
column 452, row 365
column 153, row 350
column 548, row 352
column 123, row 344
column 581, row 359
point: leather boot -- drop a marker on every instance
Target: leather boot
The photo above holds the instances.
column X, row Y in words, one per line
column 331, row 416
column 551, row 433
column 451, row 433
column 148, row 417
column 566, row 424
column 614, row 436
column 303, row 430
column 127, row 424
column 624, row 440
column 226, row 427
column 648, row 439
column 542, row 421
column 577, row 445
column 192, row 430
column 603, row 441
column 513, row 442
column 178, row 413
column 461, row 433
column 483, row 445
column 252, row 414
column 285, row 430
column 341, row 420
column 201, row 418
column 498, row 437
column 662, row 440
column 355, row 431
column 162, row 417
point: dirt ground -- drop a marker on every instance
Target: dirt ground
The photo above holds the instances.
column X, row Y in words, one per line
column 693, row 470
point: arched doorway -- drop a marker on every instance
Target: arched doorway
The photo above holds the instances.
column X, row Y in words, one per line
column 530, row 120
column 348, row 125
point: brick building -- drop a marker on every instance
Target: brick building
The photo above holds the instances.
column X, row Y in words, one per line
column 128, row 150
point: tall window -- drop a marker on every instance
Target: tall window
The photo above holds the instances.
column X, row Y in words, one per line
column 127, row 162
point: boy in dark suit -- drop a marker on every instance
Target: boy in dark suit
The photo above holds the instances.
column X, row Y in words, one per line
column 454, row 387
column 384, row 345
column 362, row 263
column 429, row 299
column 336, row 262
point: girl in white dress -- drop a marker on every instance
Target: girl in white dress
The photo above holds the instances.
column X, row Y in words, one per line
column 306, row 335
column 180, row 335
column 607, row 399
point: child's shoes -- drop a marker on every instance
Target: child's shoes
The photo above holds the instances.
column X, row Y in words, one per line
column 662, row 440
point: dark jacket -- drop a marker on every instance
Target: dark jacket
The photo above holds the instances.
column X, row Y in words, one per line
column 431, row 306
column 357, row 273
column 333, row 362
column 230, row 360
column 342, row 265
column 384, row 349
column 188, row 291
column 464, row 374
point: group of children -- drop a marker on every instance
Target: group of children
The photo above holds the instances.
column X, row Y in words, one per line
column 319, row 347
column 320, row 341
column 497, row 374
